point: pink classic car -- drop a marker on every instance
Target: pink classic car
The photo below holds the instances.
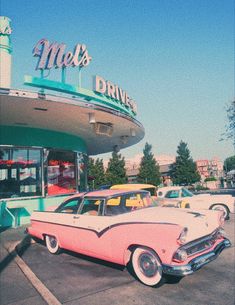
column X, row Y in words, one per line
column 121, row 227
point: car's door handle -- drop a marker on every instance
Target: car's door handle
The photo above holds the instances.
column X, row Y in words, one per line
column 76, row 217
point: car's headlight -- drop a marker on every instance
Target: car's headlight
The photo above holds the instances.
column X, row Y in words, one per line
column 180, row 255
column 183, row 235
column 221, row 218
column 221, row 233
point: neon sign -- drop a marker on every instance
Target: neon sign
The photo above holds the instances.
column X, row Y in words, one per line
column 5, row 30
column 113, row 91
column 53, row 55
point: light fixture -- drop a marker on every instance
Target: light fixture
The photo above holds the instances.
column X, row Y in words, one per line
column 116, row 148
column 105, row 129
column 124, row 139
column 132, row 132
column 92, row 118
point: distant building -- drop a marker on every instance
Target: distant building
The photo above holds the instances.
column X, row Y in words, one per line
column 210, row 168
column 164, row 162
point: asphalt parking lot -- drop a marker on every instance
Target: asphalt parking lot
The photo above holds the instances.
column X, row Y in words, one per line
column 76, row 279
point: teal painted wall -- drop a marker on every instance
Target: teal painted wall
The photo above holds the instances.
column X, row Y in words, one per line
column 24, row 136
column 17, row 212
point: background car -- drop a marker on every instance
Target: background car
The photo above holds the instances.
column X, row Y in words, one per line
column 121, row 227
column 178, row 196
column 137, row 186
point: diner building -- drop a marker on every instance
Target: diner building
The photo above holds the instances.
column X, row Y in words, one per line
column 48, row 133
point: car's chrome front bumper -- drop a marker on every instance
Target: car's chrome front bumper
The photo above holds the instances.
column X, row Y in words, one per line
column 197, row 262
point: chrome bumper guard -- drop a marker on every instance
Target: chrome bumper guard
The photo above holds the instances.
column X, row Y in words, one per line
column 197, row 262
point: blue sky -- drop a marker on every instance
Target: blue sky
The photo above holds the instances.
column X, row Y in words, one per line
column 174, row 57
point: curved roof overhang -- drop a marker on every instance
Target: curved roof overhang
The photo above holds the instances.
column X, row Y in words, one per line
column 70, row 116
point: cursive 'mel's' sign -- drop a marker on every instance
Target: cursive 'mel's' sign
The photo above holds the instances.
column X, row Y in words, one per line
column 54, row 55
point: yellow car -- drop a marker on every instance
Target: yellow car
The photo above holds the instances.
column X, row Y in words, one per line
column 146, row 187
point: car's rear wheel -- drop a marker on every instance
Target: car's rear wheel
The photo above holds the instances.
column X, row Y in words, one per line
column 52, row 244
column 147, row 266
column 223, row 208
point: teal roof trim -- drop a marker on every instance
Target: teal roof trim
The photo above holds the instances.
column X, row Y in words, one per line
column 89, row 95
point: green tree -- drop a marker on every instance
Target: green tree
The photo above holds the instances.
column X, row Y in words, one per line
column 230, row 127
column 96, row 173
column 149, row 169
column 229, row 163
column 116, row 172
column 184, row 170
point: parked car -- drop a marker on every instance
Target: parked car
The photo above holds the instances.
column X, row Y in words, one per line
column 120, row 227
column 178, row 196
column 137, row 186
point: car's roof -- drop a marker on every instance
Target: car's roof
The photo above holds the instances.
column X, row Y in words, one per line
column 168, row 188
column 130, row 186
column 105, row 193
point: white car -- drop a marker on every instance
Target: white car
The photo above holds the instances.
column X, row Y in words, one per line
column 178, row 196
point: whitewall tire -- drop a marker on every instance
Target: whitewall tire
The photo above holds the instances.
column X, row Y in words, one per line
column 52, row 244
column 147, row 266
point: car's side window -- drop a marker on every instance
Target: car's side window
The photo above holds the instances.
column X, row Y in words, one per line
column 112, row 206
column 92, row 207
column 127, row 203
column 172, row 194
column 71, row 206
column 116, row 206
column 135, row 201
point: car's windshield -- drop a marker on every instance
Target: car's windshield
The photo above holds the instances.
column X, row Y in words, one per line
column 186, row 193
column 70, row 206
column 127, row 203
column 172, row 194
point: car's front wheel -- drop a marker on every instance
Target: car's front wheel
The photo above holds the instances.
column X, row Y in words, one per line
column 52, row 244
column 147, row 266
column 223, row 208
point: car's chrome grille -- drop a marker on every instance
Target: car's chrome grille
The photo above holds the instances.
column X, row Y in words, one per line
column 202, row 244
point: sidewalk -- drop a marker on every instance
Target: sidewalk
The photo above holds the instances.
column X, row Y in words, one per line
column 15, row 288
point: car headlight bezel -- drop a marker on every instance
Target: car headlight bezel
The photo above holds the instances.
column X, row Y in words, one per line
column 180, row 255
column 183, row 236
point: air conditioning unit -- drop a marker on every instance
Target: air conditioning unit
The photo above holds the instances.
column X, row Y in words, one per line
column 104, row 129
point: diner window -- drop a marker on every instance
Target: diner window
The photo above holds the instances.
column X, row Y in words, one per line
column 61, row 174
column 20, row 172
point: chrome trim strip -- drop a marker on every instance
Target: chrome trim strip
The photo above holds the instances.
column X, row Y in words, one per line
column 196, row 263
column 200, row 240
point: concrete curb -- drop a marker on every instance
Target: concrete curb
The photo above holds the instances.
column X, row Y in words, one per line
column 45, row 293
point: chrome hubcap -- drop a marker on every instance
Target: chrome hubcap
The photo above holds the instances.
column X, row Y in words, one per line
column 147, row 264
column 53, row 242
